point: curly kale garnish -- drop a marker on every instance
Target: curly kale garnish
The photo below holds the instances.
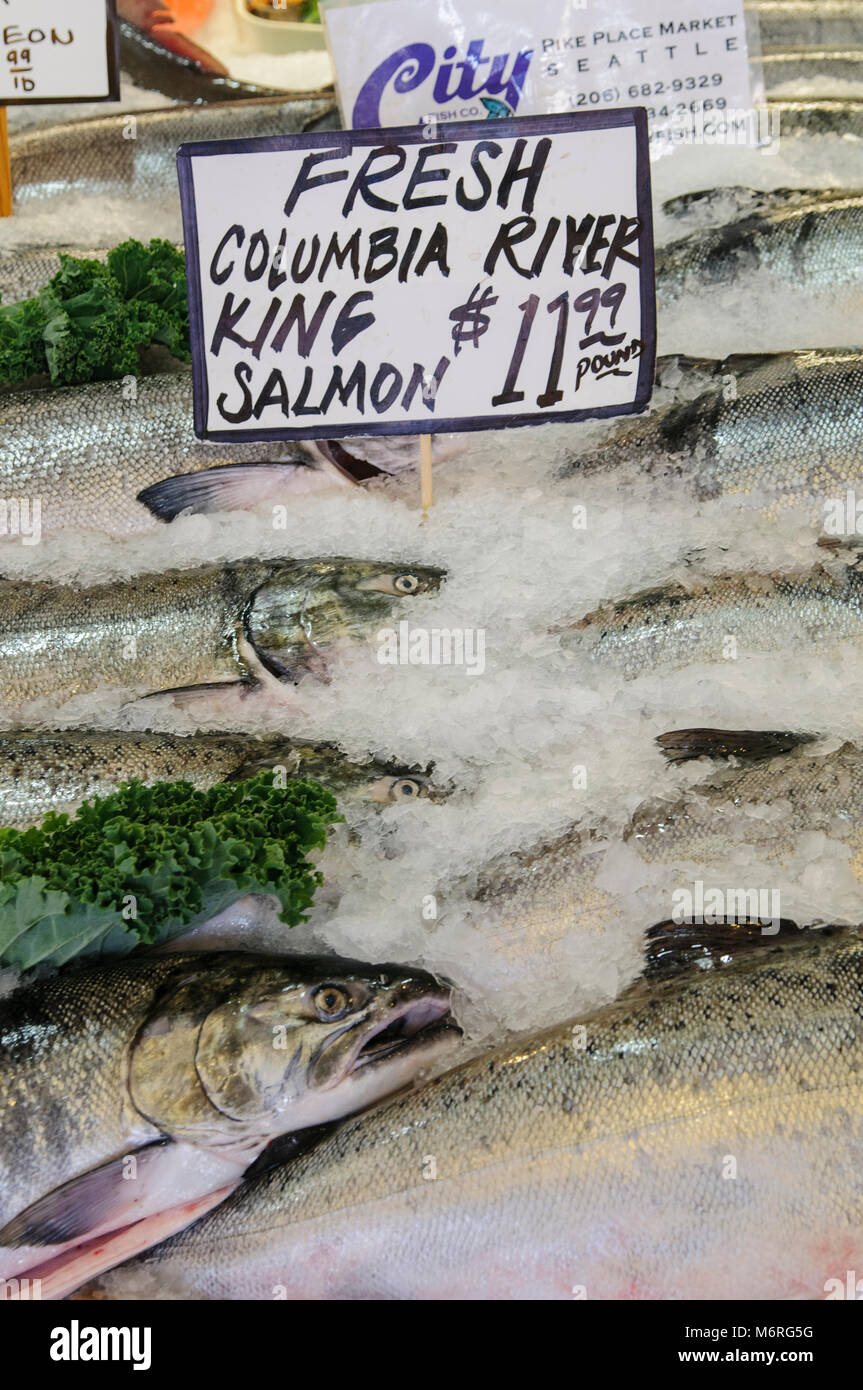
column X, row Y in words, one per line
column 148, row 862
column 93, row 318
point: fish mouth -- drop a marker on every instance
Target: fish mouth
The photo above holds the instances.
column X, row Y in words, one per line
column 411, row 1026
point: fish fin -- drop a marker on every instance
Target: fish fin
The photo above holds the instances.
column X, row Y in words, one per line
column 61, row 1276
column 708, row 366
column 272, row 673
column 835, row 544
column 188, row 693
column 648, row 597
column 497, row 110
column 356, row 469
column 71, row 1211
column 673, row 947
column 286, row 1147
column 740, row 362
column 745, row 200
column 227, row 487
column 681, row 744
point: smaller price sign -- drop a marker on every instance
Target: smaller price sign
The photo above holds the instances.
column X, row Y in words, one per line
column 58, row 50
column 406, row 281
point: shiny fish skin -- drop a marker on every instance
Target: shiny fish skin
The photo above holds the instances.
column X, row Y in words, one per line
column 815, row 793
column 41, row 772
column 727, row 204
column 826, row 117
column 823, row 23
column 93, row 157
column 24, row 273
column 67, row 1117
column 87, row 451
column 529, row 902
column 159, row 632
column 599, row 1166
column 105, row 456
column 814, row 69
column 670, row 627
column 792, row 430
column 57, row 641
column 106, row 1060
column 814, row 246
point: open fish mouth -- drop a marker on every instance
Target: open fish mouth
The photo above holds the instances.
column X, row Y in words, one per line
column 414, row 1025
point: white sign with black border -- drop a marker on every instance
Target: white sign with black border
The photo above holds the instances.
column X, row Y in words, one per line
column 414, row 280
column 58, row 51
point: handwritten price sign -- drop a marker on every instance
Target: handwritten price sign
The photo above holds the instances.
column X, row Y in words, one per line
column 453, row 277
column 58, row 50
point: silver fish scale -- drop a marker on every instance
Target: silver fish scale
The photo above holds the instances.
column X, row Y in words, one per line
column 51, row 771
column 65, row 1054
column 822, row 794
column 133, row 155
column 672, row 627
column 158, row 632
column 792, row 23
column 531, row 900
column 24, row 273
column 791, row 434
column 827, row 116
column 817, row 244
column 810, row 66
column 41, row 772
column 155, row 632
column 796, row 431
column 86, row 451
column 591, row 1161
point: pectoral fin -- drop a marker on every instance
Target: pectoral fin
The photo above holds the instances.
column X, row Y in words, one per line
column 61, row 1276
column 183, row 695
column 231, row 487
column 672, row 947
column 680, row 744
column 355, row 469
column 111, row 1212
column 95, row 1200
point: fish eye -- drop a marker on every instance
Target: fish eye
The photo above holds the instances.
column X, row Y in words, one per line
column 389, row 583
column 406, row 789
column 406, row 583
column 331, row 1002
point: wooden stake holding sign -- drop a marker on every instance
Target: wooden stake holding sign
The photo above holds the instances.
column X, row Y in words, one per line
column 54, row 52
column 5, row 167
column 524, row 248
column 426, row 498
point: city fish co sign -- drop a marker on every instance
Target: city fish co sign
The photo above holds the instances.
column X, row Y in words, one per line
column 397, row 62
column 420, row 279
column 459, row 88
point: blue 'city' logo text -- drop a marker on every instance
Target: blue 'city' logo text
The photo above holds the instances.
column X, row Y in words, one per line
column 409, row 67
